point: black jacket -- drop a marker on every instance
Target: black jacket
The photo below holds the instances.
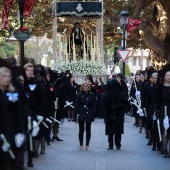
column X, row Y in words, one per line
column 85, row 104
column 11, row 119
column 35, row 96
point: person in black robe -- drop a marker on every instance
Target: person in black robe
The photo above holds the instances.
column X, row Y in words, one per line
column 133, row 90
column 35, row 97
column 114, row 114
column 71, row 91
column 99, row 85
column 11, row 120
column 163, row 99
column 151, row 114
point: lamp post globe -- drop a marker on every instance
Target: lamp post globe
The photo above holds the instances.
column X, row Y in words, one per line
column 124, row 15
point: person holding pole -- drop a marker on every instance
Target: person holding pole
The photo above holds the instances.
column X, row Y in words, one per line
column 163, row 110
column 11, row 121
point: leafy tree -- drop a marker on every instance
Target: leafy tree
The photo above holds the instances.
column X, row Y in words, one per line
column 8, row 50
column 154, row 30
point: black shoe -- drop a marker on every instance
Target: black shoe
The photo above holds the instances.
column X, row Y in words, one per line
column 134, row 124
column 48, row 143
column 149, row 143
column 69, row 120
column 57, row 138
column 110, row 148
column 30, row 164
column 35, row 155
column 165, row 156
column 154, row 148
column 42, row 152
column 140, row 131
column 118, row 148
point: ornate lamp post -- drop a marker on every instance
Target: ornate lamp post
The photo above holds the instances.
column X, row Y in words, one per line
column 124, row 22
column 22, row 35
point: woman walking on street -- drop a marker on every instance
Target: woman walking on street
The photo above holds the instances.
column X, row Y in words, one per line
column 84, row 112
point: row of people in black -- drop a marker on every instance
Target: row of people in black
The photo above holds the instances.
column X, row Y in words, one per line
column 153, row 87
column 28, row 112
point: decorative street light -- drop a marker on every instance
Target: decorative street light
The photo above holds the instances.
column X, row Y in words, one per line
column 124, row 22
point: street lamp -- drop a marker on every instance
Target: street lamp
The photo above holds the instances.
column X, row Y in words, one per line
column 124, row 22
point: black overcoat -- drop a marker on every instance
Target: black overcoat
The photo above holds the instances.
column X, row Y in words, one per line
column 114, row 117
column 85, row 104
column 11, row 119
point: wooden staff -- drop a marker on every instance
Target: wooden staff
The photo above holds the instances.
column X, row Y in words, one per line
column 30, row 136
column 135, row 84
column 159, row 130
column 165, row 110
column 56, row 105
column 5, row 142
column 55, row 120
column 145, row 112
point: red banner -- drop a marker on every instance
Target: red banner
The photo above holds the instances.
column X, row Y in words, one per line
column 5, row 13
column 28, row 6
column 133, row 24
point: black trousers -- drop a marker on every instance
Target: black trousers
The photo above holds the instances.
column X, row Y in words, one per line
column 117, row 140
column 8, row 164
column 81, row 132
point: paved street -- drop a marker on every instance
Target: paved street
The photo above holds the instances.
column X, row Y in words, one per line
column 134, row 154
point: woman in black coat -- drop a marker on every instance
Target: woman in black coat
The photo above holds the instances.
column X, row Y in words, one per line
column 36, row 100
column 71, row 91
column 163, row 99
column 11, row 118
column 114, row 116
column 133, row 90
column 84, row 112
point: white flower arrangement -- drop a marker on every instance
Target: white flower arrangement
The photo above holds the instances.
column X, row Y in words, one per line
column 80, row 67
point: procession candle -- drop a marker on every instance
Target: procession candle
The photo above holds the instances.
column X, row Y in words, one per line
column 91, row 41
column 165, row 109
column 66, row 49
column 60, row 49
column 94, row 42
column 30, row 136
column 159, row 130
column 5, row 142
column 84, row 47
column 74, row 50
column 99, row 55
column 69, row 47
column 87, row 43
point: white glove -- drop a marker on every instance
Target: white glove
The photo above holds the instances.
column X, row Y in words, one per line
column 5, row 147
column 137, row 93
column 140, row 112
column 35, row 128
column 19, row 139
column 154, row 117
column 40, row 118
column 166, row 123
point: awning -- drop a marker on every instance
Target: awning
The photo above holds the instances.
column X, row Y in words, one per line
column 79, row 9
